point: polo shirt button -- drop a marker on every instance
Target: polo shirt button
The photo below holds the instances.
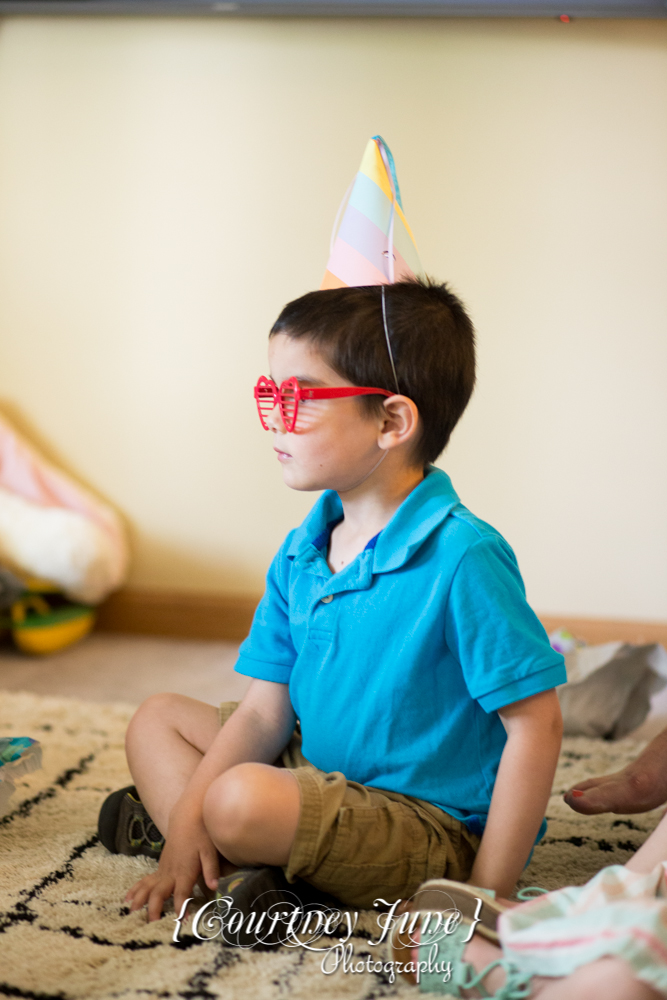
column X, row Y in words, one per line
column 328, row 599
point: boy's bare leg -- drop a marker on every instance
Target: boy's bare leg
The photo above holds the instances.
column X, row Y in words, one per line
column 177, row 753
column 606, row 979
column 639, row 787
column 251, row 813
column 166, row 739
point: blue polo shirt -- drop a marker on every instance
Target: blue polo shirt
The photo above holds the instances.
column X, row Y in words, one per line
column 397, row 664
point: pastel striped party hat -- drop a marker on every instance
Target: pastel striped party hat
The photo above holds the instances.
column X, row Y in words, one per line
column 372, row 243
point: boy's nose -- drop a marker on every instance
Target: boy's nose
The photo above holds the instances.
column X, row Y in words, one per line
column 275, row 420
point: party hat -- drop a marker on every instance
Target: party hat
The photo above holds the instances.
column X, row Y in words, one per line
column 372, row 243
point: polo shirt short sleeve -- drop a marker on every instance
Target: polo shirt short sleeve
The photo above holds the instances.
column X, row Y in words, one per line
column 268, row 653
column 492, row 630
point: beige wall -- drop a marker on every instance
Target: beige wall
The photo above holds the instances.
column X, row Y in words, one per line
column 166, row 185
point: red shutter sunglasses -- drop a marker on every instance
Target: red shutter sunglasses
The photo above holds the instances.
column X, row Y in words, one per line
column 290, row 393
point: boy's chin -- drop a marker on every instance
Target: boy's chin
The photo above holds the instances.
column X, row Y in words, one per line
column 305, row 483
column 301, row 482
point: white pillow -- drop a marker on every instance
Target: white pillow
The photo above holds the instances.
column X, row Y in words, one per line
column 58, row 545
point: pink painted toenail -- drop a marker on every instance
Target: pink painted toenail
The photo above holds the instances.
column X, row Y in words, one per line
column 576, row 793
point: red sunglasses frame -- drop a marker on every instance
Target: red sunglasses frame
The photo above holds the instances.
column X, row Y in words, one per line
column 266, row 389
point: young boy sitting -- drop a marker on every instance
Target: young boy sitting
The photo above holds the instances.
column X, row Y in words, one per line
column 394, row 634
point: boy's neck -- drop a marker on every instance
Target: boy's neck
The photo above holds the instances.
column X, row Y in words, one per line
column 367, row 509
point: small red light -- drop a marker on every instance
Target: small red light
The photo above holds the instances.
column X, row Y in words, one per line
column 564, row 18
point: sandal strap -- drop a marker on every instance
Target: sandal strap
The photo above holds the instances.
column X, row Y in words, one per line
column 463, row 976
column 448, row 956
column 531, row 892
column 515, row 987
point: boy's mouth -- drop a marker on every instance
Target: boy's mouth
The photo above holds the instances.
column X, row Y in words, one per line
column 282, row 455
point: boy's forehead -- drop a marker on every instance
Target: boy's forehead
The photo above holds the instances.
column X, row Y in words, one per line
column 297, row 357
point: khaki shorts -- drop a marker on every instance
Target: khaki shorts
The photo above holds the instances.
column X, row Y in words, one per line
column 359, row 843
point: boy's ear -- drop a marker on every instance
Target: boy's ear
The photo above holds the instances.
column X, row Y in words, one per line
column 400, row 424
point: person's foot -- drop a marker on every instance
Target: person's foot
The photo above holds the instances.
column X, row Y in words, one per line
column 266, row 901
column 263, row 898
column 441, row 895
column 124, row 826
column 473, row 966
column 639, row 787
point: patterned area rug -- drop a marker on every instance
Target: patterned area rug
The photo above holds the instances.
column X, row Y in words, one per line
column 65, row 933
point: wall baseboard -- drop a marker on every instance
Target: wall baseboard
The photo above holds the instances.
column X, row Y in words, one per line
column 597, row 630
column 190, row 615
column 179, row 614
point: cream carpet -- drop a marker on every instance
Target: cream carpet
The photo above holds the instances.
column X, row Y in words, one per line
column 65, row 933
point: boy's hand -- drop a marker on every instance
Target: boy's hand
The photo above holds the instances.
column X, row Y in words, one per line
column 188, row 853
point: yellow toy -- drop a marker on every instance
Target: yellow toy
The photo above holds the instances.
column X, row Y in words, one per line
column 40, row 626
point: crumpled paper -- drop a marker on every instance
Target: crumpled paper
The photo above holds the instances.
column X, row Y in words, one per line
column 609, row 688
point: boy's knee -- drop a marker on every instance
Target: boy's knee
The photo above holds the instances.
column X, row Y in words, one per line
column 234, row 805
column 159, row 709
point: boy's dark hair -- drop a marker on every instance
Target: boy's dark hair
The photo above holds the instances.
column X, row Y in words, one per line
column 432, row 341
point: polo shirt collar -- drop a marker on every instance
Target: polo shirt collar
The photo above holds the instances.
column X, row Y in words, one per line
column 327, row 509
column 418, row 516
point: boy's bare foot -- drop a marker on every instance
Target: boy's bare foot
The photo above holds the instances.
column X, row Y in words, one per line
column 639, row 787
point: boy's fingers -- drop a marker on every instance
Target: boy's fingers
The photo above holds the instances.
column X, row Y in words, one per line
column 140, row 897
column 181, row 893
column 141, row 891
column 210, row 869
column 131, row 892
column 156, row 901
